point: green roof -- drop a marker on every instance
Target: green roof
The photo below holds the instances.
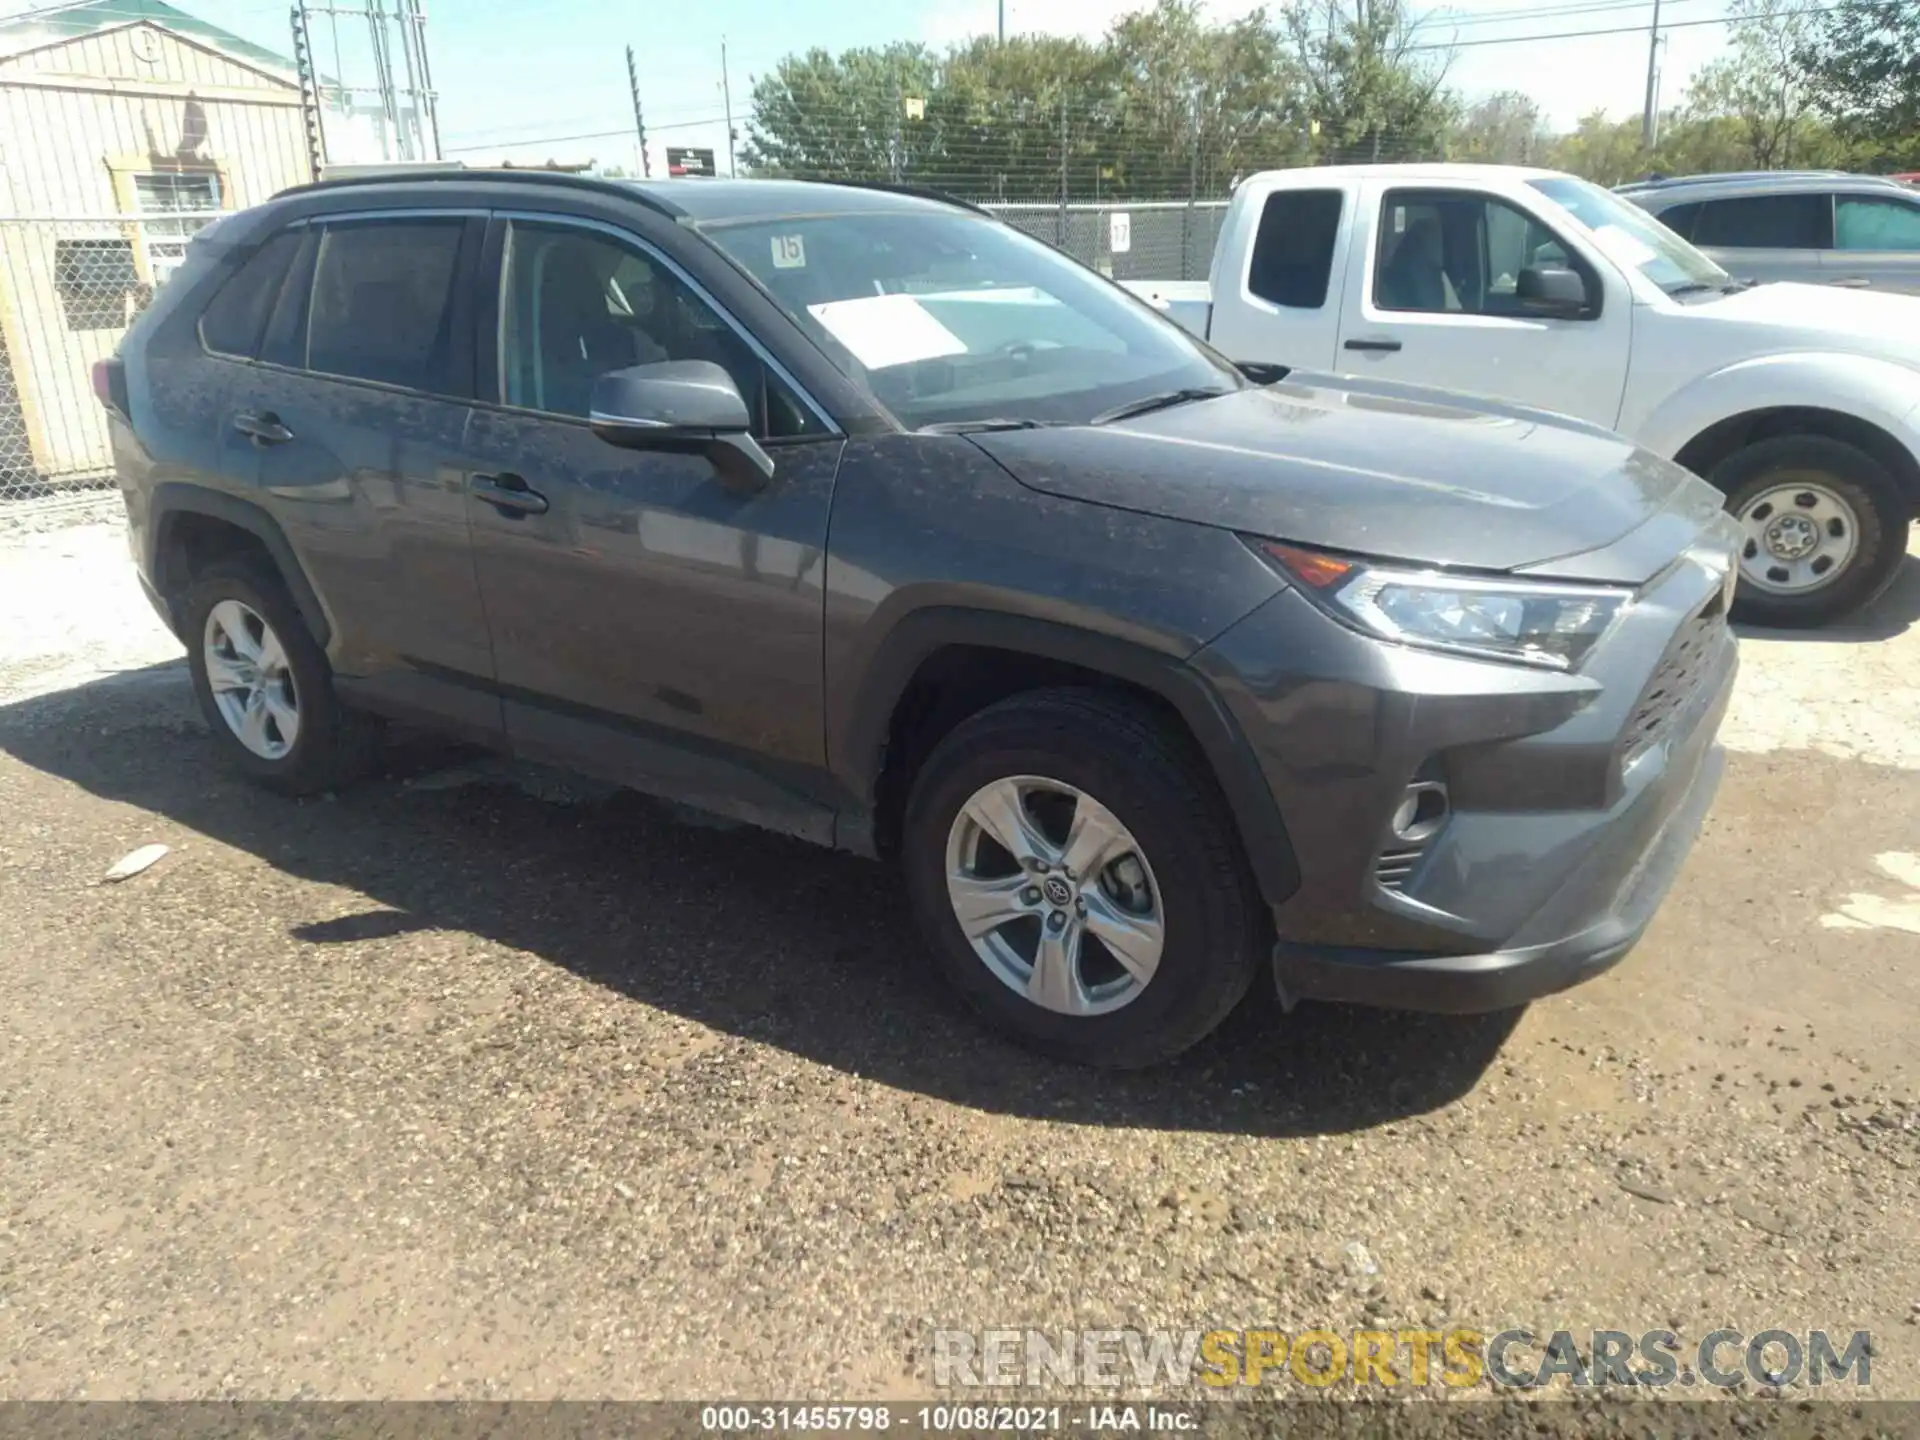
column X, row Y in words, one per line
column 34, row 28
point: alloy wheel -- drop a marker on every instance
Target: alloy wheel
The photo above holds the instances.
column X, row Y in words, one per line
column 251, row 680
column 1055, row 895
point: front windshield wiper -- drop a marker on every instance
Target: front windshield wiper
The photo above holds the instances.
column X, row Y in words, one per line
column 1158, row 402
column 1693, row 287
column 974, row 427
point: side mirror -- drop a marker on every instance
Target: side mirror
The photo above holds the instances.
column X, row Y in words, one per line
column 685, row 407
column 1554, row 292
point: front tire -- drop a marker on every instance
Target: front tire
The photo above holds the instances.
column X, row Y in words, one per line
column 265, row 686
column 1825, row 529
column 1077, row 875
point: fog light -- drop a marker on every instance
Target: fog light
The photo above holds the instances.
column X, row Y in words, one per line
column 1421, row 811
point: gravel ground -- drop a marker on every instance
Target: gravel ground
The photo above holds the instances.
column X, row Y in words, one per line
column 476, row 1081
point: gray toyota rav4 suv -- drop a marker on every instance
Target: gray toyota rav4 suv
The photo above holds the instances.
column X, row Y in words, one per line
column 858, row 515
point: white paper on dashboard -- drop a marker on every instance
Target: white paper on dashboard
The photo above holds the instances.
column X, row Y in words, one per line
column 884, row 330
column 1628, row 249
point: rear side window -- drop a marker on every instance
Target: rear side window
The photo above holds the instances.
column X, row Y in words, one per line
column 1766, row 222
column 238, row 312
column 1680, row 218
column 1867, row 223
column 1293, row 248
column 383, row 302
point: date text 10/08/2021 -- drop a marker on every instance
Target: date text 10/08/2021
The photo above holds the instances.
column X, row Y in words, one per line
column 963, row 1419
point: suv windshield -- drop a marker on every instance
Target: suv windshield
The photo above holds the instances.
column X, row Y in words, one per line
column 1632, row 237
column 949, row 317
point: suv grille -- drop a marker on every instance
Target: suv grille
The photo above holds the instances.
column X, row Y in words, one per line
column 1681, row 670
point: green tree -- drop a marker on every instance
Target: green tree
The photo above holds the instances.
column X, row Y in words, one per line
column 1002, row 112
column 1603, row 150
column 1195, row 105
column 1506, row 128
column 844, row 116
column 1376, row 91
column 1760, row 84
column 1863, row 71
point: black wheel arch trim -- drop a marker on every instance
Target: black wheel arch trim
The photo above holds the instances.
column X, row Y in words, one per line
column 857, row 739
column 172, row 499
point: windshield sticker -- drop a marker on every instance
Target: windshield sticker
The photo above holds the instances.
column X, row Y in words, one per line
column 789, row 252
column 887, row 330
column 1630, row 250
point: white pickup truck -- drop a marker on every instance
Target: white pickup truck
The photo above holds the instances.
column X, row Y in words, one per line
column 1801, row 402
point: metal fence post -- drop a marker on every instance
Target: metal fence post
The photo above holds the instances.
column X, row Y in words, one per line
column 1061, row 228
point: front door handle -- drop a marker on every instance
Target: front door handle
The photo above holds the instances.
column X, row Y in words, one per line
column 1852, row 282
column 1381, row 346
column 263, row 429
column 508, row 494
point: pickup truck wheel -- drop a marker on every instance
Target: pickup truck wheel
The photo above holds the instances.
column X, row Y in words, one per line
column 1079, row 880
column 265, row 686
column 1825, row 529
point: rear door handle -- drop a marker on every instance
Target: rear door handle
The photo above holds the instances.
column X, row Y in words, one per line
column 508, row 494
column 1382, row 346
column 263, row 429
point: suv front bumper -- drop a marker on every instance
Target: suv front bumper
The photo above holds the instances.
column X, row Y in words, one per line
column 1571, row 811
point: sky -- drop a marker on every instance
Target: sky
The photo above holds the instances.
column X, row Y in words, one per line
column 537, row 80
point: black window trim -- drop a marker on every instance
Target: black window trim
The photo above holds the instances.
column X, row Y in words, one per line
column 1577, row 260
column 490, row 298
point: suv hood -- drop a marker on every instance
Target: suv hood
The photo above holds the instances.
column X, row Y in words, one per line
column 1399, row 472
column 1789, row 316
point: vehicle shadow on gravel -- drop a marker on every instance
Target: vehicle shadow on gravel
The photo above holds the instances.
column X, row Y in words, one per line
column 745, row 932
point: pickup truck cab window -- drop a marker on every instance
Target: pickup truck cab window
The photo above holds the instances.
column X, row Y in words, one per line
column 1292, row 262
column 1457, row 252
column 578, row 302
column 951, row 318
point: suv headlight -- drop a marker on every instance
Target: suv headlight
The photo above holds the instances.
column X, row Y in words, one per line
column 1532, row 622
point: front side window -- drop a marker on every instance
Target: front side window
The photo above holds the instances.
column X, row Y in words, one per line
column 383, row 301
column 1454, row 252
column 1292, row 262
column 578, row 303
column 949, row 318
column 1866, row 223
column 1764, row 222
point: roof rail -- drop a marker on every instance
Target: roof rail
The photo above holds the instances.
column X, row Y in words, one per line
column 1665, row 182
column 897, row 187
column 557, row 178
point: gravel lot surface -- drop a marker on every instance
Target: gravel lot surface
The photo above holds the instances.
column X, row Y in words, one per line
column 479, row 1081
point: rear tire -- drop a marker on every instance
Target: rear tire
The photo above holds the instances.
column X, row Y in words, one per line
column 265, row 686
column 1132, row 840
column 1826, row 529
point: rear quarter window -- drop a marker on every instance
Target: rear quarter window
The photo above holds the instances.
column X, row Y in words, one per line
column 237, row 315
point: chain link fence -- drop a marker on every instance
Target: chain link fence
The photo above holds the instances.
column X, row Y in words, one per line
column 69, row 288
column 1146, row 240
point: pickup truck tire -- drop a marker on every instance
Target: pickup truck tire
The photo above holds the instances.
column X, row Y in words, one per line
column 1124, row 835
column 240, row 624
column 1826, row 529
